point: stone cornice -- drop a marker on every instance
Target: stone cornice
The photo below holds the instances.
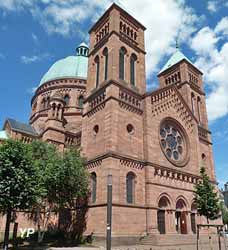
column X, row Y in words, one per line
column 142, row 162
column 105, row 84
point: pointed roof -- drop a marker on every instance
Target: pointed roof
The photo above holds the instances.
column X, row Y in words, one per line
column 83, row 44
column 174, row 59
column 21, row 127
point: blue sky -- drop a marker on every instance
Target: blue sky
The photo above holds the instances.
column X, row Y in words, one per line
column 36, row 33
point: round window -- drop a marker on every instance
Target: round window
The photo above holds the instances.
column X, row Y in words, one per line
column 130, row 129
column 174, row 142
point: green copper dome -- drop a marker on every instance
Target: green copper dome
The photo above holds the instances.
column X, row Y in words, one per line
column 174, row 59
column 69, row 67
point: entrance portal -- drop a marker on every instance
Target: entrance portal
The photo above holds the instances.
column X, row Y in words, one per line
column 180, row 217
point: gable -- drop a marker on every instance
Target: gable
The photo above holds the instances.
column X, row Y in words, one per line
column 169, row 97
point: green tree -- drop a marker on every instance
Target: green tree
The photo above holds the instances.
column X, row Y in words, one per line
column 224, row 211
column 19, row 188
column 64, row 179
column 206, row 197
column 46, row 159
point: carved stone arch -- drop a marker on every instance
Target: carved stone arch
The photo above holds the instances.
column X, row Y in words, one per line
column 193, row 206
column 185, row 203
column 167, row 197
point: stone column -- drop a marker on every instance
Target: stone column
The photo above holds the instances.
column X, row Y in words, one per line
column 170, row 222
column 152, row 226
column 188, row 219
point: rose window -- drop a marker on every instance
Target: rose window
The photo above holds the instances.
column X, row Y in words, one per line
column 173, row 142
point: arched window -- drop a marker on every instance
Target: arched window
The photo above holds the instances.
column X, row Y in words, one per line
column 80, row 101
column 67, row 100
column 43, row 103
column 130, row 185
column 97, row 63
column 105, row 54
column 192, row 102
column 163, row 204
column 48, row 102
column 132, row 69
column 122, row 54
column 198, row 108
column 93, row 187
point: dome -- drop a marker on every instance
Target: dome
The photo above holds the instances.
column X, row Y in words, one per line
column 69, row 67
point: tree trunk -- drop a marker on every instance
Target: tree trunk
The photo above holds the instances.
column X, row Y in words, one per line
column 7, row 230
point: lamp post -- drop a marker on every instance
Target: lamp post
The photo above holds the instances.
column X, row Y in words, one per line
column 109, row 213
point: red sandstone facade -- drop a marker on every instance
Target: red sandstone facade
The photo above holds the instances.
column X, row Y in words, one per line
column 153, row 144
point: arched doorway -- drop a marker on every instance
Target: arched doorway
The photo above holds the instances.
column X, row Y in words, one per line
column 180, row 217
column 161, row 214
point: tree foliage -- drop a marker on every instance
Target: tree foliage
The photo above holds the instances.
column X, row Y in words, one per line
column 19, row 188
column 19, row 185
column 63, row 179
column 206, row 197
column 224, row 211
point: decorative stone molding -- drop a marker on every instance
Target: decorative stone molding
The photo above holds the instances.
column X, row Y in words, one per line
column 130, row 102
column 173, row 174
column 169, row 97
column 131, row 164
column 94, row 164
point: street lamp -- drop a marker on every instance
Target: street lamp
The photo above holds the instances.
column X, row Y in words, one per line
column 109, row 213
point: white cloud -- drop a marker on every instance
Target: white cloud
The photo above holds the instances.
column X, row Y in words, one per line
column 222, row 26
column 164, row 20
column 34, row 58
column 213, row 6
column 213, row 61
column 204, row 42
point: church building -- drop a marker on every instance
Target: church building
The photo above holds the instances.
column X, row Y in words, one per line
column 152, row 144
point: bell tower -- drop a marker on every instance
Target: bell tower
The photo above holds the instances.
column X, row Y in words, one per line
column 117, row 51
column 112, row 126
column 181, row 72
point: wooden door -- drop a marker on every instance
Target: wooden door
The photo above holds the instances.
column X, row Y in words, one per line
column 183, row 223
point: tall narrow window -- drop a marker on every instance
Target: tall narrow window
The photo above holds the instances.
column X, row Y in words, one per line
column 122, row 54
column 132, row 69
column 161, row 221
column 198, row 108
column 192, row 101
column 105, row 54
column 97, row 62
column 80, row 101
column 93, row 187
column 130, row 182
column 161, row 214
column 67, row 100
